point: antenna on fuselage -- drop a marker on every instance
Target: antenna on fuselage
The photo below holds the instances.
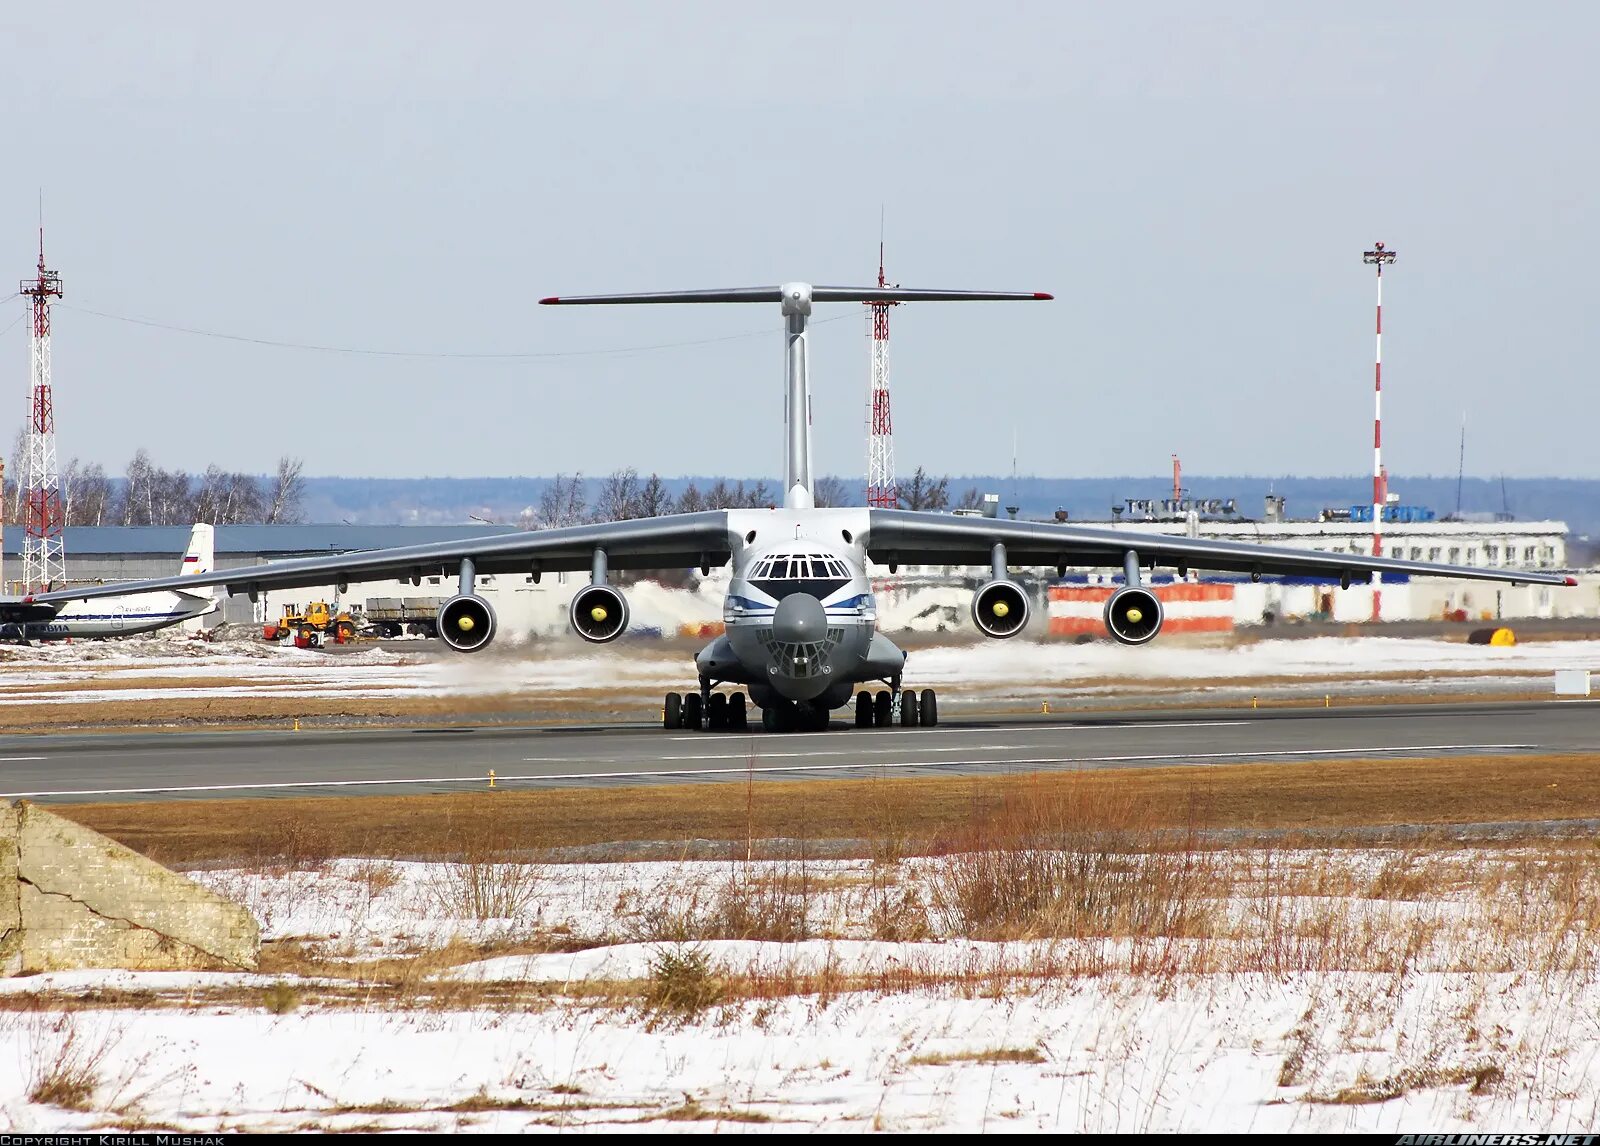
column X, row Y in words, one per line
column 796, row 299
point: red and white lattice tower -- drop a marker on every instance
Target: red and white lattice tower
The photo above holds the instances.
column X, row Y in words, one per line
column 1378, row 257
column 882, row 493
column 43, row 556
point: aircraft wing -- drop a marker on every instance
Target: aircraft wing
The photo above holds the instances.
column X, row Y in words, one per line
column 673, row 542
column 903, row 537
column 17, row 610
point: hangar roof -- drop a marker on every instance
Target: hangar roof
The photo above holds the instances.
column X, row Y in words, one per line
column 252, row 540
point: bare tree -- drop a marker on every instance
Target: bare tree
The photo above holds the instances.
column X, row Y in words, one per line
column 288, row 492
column 68, row 487
column 721, row 496
column 243, row 500
column 691, row 500
column 829, row 492
column 171, row 499
column 16, row 475
column 654, row 499
column 137, row 504
column 971, row 498
column 563, row 502
column 924, row 493
column 619, row 496
column 91, row 496
column 208, row 497
column 758, row 496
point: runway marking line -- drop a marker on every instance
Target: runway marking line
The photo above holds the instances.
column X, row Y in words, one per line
column 1022, row 729
column 1387, row 750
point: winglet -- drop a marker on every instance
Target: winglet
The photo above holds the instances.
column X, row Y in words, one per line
column 1039, row 294
column 551, row 301
column 1571, row 581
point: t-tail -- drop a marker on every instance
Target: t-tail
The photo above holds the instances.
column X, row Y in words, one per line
column 796, row 300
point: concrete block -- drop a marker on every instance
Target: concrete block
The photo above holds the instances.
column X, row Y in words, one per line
column 10, row 903
column 83, row 900
column 1572, row 682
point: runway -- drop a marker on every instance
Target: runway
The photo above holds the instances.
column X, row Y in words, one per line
column 143, row 766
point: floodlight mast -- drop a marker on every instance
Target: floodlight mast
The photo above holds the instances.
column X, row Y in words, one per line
column 1379, row 257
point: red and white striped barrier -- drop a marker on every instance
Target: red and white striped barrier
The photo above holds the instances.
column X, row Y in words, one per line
column 1189, row 608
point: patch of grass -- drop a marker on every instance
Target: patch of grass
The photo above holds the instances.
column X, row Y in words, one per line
column 280, row 998
column 66, row 1067
column 692, row 1111
column 304, row 830
column 1366, row 1089
column 991, row 1054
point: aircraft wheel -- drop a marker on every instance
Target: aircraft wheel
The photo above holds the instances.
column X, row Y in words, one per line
column 672, row 711
column 908, row 708
column 769, row 720
column 738, row 720
column 881, row 709
column 717, row 712
column 930, row 708
column 863, row 709
column 692, row 711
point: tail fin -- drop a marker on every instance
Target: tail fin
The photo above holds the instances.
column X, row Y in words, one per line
column 201, row 555
column 796, row 299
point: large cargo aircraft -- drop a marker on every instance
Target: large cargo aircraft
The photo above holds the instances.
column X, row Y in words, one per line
column 801, row 635
column 119, row 614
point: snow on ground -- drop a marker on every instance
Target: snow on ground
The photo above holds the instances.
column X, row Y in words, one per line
column 91, row 671
column 1328, row 990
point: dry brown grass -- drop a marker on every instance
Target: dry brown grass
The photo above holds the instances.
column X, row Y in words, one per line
column 1328, row 794
column 988, row 1055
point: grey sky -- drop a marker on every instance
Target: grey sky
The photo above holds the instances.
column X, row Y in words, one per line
column 1195, row 183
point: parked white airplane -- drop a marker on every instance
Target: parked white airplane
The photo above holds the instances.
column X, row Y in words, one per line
column 120, row 615
column 801, row 618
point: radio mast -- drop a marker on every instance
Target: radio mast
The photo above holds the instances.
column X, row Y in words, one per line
column 44, row 560
column 882, row 492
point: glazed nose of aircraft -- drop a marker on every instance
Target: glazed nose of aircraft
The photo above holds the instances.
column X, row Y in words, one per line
column 799, row 619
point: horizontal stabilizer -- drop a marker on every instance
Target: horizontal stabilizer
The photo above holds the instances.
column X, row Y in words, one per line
column 818, row 294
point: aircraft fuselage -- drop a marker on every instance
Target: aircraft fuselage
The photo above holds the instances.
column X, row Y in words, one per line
column 800, row 615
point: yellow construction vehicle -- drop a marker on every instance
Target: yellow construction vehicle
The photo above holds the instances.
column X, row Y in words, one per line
column 313, row 627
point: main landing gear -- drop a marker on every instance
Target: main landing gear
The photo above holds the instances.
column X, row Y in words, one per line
column 711, row 711
column 878, row 711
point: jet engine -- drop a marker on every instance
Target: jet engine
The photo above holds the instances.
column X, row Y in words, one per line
column 466, row 623
column 1000, row 609
column 599, row 613
column 1133, row 615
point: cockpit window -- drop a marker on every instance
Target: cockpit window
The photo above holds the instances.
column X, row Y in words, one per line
column 800, row 567
column 815, row 573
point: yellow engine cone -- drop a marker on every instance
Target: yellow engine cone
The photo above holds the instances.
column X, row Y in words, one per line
column 465, row 624
column 1135, row 616
column 1001, row 608
column 597, row 614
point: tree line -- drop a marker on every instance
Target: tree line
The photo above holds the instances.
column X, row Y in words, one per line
column 624, row 495
column 148, row 494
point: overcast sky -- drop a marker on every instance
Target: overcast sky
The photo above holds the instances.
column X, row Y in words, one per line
column 1195, row 183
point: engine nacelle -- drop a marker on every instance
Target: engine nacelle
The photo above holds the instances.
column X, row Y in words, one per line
column 599, row 613
column 1133, row 615
column 1000, row 609
column 466, row 623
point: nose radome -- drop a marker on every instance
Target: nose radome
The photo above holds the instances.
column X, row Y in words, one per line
column 799, row 619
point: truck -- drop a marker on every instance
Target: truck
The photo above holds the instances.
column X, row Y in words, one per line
column 395, row 616
column 313, row 626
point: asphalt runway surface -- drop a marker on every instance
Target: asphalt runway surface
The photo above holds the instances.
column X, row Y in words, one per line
column 166, row 765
